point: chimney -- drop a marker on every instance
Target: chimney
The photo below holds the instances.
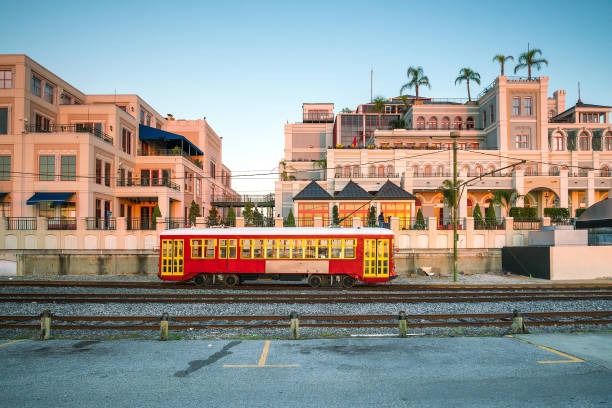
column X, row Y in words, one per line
column 170, row 117
column 559, row 97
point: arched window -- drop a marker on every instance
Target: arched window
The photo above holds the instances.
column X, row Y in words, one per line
column 466, row 169
column 427, row 171
column 347, row 171
column 440, row 171
column 469, row 123
column 432, row 123
column 491, row 169
column 420, row 122
column 528, row 171
column 445, row 123
column 608, row 141
column 389, row 171
column 605, row 172
column 554, row 171
column 583, row 141
column 381, row 171
column 458, row 123
column 478, row 170
column 558, row 142
column 372, row 171
column 338, row 171
column 517, row 168
column 356, row 172
column 415, row 171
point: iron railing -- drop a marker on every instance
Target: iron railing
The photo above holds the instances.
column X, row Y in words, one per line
column 447, row 224
column 147, row 182
column 318, row 117
column 409, row 223
column 527, row 224
column 140, row 224
column 62, row 223
column 304, row 222
column 368, row 176
column 562, row 221
column 243, row 198
column 21, row 223
column 75, row 128
column 95, row 223
column 170, row 152
column 177, row 222
column 485, row 224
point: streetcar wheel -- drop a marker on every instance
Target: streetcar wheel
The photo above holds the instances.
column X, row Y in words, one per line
column 348, row 281
column 314, row 281
column 231, row 280
column 200, row 280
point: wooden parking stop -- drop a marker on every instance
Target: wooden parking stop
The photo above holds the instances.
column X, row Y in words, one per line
column 163, row 327
column 401, row 323
column 518, row 325
column 45, row 325
column 295, row 326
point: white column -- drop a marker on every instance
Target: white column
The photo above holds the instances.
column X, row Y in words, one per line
column 518, row 183
column 590, row 193
column 463, row 204
column 563, row 189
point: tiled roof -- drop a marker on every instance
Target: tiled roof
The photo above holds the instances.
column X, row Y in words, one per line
column 352, row 191
column 391, row 191
column 313, row 191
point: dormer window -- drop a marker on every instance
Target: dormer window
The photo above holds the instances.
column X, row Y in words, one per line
column 583, row 141
column 592, row 118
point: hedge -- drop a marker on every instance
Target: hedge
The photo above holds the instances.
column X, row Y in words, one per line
column 556, row 213
column 523, row 212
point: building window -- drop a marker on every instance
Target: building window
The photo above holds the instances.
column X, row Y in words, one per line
column 356, row 171
column 48, row 93
column 551, row 113
column 554, row 171
column 528, row 171
column 420, row 122
column 65, row 99
column 469, row 123
column 478, row 170
column 372, row 171
column 591, row 118
column 98, row 171
column 148, row 120
column 475, row 146
column 381, row 171
column 142, row 117
column 6, row 79
column 3, row 121
column 458, row 123
column 484, row 119
column 389, row 171
column 445, row 123
column 212, row 169
column 605, row 172
column 35, row 85
column 5, row 168
column 427, row 171
column 68, row 168
column 492, row 115
column 558, row 142
column 516, row 105
column 42, row 124
column 521, row 142
column 107, row 174
column 126, row 141
column 528, row 110
column 46, row 168
column 432, row 123
column 347, row 171
column 584, row 142
column 338, row 171
column 608, row 142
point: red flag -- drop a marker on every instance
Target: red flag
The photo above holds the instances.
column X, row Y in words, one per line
column 355, row 141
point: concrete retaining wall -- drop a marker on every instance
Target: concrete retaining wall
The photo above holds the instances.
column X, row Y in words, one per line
column 470, row 261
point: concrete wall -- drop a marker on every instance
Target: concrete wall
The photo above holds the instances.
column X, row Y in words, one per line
column 569, row 262
column 470, row 261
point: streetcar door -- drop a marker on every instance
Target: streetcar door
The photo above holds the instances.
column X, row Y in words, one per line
column 172, row 257
column 376, row 258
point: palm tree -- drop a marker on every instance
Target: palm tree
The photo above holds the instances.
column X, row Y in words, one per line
column 322, row 165
column 416, row 78
column 528, row 59
column 467, row 75
column 505, row 198
column 379, row 107
column 502, row 59
column 449, row 192
column 284, row 174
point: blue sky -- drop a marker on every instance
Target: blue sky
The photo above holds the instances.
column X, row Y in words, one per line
column 249, row 66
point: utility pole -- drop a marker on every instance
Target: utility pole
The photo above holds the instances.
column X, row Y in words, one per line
column 455, row 135
column 371, row 84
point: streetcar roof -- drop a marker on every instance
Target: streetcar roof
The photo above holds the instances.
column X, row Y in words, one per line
column 278, row 231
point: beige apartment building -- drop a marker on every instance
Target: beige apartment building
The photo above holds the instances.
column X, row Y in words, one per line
column 70, row 160
column 567, row 152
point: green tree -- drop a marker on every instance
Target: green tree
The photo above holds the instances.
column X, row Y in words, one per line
column 290, row 221
column 529, row 59
column 416, row 78
column 213, row 217
column 491, row 218
column 467, row 75
column 285, row 171
column 257, row 218
column 477, row 214
column 194, row 211
column 505, row 198
column 372, row 217
column 379, row 107
column 502, row 59
column 247, row 214
column 449, row 192
column 156, row 212
column 346, row 110
column 231, row 217
column 321, row 165
column 335, row 215
column 420, row 221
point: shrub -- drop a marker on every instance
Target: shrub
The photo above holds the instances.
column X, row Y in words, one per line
column 490, row 215
column 335, row 215
column 290, row 221
column 556, row 213
column 579, row 211
column 523, row 212
column 372, row 217
column 420, row 221
column 477, row 214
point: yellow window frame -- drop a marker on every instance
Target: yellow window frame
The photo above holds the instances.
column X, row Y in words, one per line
column 166, row 256
column 242, row 247
column 297, row 243
column 346, row 244
column 288, row 247
column 227, row 245
column 261, row 245
column 202, row 246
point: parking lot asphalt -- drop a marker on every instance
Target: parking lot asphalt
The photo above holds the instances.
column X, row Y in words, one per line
column 526, row 371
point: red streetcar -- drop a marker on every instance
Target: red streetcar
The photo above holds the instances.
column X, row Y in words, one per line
column 323, row 256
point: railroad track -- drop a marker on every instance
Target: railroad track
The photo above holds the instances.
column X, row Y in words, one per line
column 302, row 287
column 149, row 323
column 354, row 297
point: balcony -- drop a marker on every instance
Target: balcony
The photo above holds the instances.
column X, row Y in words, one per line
column 62, row 223
column 148, row 182
column 93, row 223
column 21, row 223
column 318, row 117
column 170, row 152
column 140, row 224
column 55, row 128
column 368, row 176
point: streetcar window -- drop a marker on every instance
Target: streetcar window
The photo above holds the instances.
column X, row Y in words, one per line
column 209, row 248
column 284, row 248
column 323, row 249
column 298, row 249
column 336, row 248
column 271, row 249
column 349, row 248
column 246, row 249
column 227, row 246
column 311, row 249
column 197, row 248
column 258, row 248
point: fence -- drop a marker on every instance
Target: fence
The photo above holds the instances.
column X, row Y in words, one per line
column 140, row 224
column 484, row 224
column 62, row 223
column 409, row 223
column 447, row 224
column 522, row 224
column 21, row 223
column 93, row 223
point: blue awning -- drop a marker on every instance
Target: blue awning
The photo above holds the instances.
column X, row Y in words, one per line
column 149, row 133
column 57, row 198
column 2, row 195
